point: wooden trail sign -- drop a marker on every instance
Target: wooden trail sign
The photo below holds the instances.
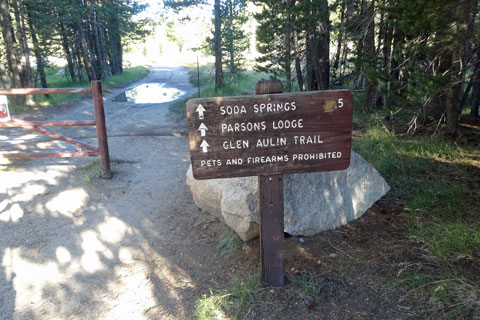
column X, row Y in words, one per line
column 270, row 134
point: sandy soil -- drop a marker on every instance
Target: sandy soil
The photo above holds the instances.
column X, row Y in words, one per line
column 75, row 246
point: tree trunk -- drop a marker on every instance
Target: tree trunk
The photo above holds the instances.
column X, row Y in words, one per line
column 447, row 101
column 459, row 48
column 387, row 53
column 98, row 46
column 218, row 47
column 369, row 55
column 229, row 41
column 24, row 54
column 288, row 46
column 119, row 54
column 343, row 61
column 11, row 51
column 101, row 39
column 381, row 29
column 85, row 50
column 435, row 109
column 322, row 60
column 86, row 53
column 475, row 92
column 349, row 11
column 77, row 56
column 336, row 64
column 310, row 46
column 38, row 55
column 4, row 81
column 68, row 54
column 475, row 102
column 298, row 57
column 317, row 44
column 115, row 46
column 394, row 62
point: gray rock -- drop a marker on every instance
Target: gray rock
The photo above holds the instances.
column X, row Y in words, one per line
column 314, row 202
column 234, row 201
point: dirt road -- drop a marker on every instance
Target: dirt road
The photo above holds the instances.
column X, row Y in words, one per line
column 74, row 246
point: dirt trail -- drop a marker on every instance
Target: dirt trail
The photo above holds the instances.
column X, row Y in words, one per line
column 74, row 246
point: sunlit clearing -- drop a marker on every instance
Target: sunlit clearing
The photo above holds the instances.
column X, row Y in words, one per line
column 173, row 41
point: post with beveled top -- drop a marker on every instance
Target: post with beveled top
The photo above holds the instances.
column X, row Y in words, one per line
column 103, row 154
column 270, row 189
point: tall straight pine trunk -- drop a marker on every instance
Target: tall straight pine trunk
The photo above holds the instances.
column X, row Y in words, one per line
column 369, row 54
column 38, row 55
column 11, row 51
column 219, row 82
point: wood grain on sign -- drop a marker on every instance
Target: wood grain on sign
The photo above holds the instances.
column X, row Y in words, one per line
column 270, row 134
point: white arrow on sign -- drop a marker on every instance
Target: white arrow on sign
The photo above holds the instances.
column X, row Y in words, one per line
column 204, row 146
column 200, row 111
column 203, row 130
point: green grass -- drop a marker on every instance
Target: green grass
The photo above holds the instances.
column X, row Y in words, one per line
column 445, row 200
column 411, row 166
column 128, row 76
column 229, row 244
column 438, row 180
column 246, row 294
column 177, row 108
column 432, row 175
column 91, row 171
column 307, row 284
column 244, row 84
column 13, row 164
column 230, row 302
column 452, row 295
column 449, row 239
column 60, row 81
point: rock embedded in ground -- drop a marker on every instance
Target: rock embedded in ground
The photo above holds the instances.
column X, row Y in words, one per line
column 234, row 201
column 313, row 202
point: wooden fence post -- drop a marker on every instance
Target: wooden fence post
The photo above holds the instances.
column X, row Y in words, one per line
column 101, row 129
column 270, row 190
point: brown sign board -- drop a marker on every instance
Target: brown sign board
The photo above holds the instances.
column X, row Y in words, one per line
column 270, row 134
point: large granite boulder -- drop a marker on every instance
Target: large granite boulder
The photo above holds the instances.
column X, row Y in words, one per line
column 313, row 202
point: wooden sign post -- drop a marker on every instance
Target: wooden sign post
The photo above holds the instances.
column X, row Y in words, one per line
column 270, row 195
column 268, row 135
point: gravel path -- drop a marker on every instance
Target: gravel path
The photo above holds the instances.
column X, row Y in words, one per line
column 74, row 246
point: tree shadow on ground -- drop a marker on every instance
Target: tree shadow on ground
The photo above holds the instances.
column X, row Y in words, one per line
column 72, row 248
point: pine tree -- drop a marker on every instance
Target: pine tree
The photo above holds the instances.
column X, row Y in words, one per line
column 271, row 38
column 235, row 42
